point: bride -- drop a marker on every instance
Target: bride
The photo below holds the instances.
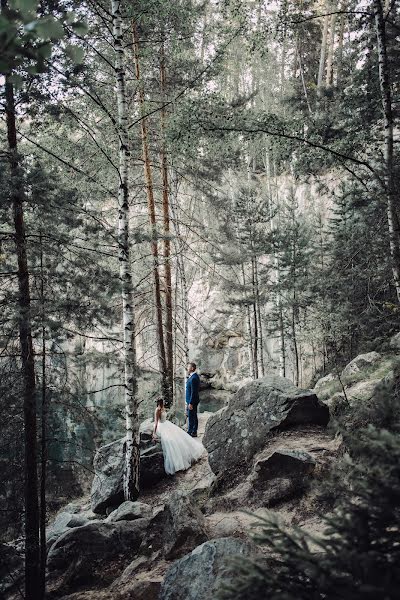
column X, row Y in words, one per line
column 179, row 448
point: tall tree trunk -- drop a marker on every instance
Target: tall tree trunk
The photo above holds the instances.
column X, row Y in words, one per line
column 255, row 319
column 294, row 339
column 275, row 259
column 32, row 549
column 260, row 328
column 390, row 191
column 321, row 69
column 152, row 217
column 303, row 82
column 339, row 67
column 132, row 455
column 282, row 345
column 167, row 243
column 249, row 330
column 283, row 63
column 43, row 437
column 331, row 47
column 182, row 274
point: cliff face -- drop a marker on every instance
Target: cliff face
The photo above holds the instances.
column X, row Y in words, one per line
column 218, row 339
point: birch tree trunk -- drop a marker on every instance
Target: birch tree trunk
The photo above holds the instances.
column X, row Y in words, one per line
column 132, row 455
column 32, row 549
column 167, row 243
column 152, row 217
column 390, row 191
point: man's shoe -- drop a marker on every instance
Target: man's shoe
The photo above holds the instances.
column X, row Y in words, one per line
column 193, row 434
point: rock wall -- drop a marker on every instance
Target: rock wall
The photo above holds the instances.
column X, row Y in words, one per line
column 217, row 330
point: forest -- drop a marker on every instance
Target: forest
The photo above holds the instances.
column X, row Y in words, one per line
column 212, row 183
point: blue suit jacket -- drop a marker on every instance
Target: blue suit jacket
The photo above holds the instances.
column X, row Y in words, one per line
column 192, row 390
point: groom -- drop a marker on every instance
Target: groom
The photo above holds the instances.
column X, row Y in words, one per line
column 192, row 398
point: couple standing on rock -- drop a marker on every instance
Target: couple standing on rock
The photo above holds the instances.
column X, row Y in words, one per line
column 179, row 449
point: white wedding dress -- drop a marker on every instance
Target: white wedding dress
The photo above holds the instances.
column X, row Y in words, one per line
column 179, row 448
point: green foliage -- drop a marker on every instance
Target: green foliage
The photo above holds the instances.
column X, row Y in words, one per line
column 28, row 34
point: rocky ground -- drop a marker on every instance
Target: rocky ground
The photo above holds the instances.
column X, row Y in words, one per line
column 263, row 450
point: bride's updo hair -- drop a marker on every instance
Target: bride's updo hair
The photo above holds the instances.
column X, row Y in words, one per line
column 160, row 402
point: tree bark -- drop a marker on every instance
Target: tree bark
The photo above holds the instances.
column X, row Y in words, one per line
column 32, row 548
column 182, row 274
column 249, row 331
column 167, row 243
column 321, row 69
column 255, row 320
column 260, row 328
column 132, row 455
column 339, row 67
column 152, row 217
column 275, row 259
column 386, row 99
column 331, row 48
column 43, row 438
column 294, row 339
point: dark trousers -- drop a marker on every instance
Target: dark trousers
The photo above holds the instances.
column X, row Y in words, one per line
column 193, row 421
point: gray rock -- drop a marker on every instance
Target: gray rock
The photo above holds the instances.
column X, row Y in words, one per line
column 92, row 554
column 362, row 390
column 395, row 342
column 337, row 404
column 129, row 511
column 151, row 465
column 11, row 570
column 281, row 475
column 360, row 362
column 137, row 582
column 177, row 529
column 237, row 432
column 73, row 515
column 107, row 486
column 325, row 381
column 198, row 575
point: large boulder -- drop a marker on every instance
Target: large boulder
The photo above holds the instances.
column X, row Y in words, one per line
column 139, row 581
column 198, row 575
column 281, row 475
column 109, row 461
column 129, row 511
column 237, row 432
column 326, row 380
column 177, row 529
column 361, row 362
column 93, row 554
column 72, row 516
